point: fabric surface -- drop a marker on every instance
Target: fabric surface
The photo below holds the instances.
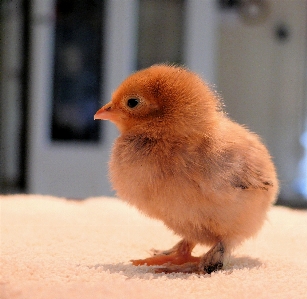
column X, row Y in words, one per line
column 55, row 248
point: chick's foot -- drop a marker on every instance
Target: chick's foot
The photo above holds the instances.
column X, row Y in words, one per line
column 178, row 255
column 173, row 259
column 184, row 268
column 210, row 262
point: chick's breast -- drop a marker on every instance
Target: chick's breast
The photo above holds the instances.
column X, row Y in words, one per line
column 193, row 186
column 153, row 175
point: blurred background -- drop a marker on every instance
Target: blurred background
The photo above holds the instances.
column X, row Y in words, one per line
column 60, row 60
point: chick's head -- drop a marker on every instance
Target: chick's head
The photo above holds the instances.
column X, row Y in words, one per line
column 162, row 97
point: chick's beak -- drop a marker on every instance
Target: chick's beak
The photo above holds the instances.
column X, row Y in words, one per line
column 105, row 113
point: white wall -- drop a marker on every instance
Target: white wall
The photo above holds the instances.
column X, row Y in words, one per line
column 262, row 80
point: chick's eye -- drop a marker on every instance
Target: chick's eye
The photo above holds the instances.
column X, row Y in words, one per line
column 132, row 103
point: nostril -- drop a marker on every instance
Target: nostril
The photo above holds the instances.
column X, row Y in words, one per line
column 108, row 108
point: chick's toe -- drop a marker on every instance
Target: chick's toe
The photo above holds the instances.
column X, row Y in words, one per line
column 177, row 255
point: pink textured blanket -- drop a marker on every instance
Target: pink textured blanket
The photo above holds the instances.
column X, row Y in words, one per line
column 54, row 248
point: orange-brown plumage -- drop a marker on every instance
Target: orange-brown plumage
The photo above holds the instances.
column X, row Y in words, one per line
column 180, row 159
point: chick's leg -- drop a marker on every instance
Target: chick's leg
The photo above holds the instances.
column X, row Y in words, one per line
column 179, row 254
column 182, row 246
column 210, row 262
column 213, row 260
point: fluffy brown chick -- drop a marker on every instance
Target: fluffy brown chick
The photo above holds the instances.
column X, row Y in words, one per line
column 180, row 159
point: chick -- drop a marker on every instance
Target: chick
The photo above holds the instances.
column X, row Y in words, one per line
column 180, row 159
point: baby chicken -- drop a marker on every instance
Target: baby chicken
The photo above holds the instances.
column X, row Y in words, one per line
column 180, row 159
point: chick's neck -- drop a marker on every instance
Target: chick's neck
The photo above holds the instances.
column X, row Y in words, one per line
column 168, row 133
